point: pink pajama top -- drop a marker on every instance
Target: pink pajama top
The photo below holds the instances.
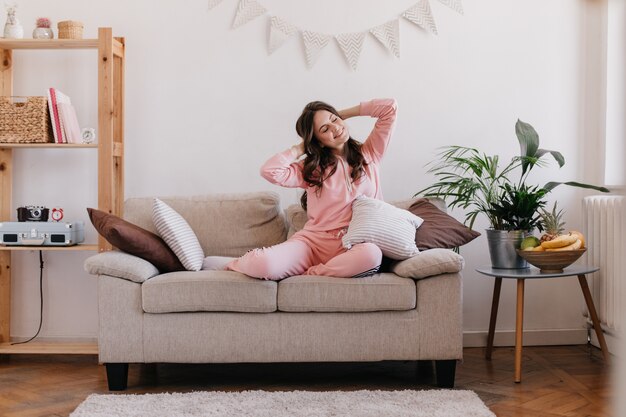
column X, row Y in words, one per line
column 331, row 209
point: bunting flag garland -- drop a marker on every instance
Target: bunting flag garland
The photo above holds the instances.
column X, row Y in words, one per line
column 313, row 44
column 351, row 45
column 454, row 5
column 389, row 35
column 213, row 3
column 280, row 31
column 246, row 11
column 422, row 16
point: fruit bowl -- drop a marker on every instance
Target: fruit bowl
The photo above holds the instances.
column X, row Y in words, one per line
column 551, row 261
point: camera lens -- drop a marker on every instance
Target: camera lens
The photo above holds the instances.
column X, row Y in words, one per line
column 35, row 213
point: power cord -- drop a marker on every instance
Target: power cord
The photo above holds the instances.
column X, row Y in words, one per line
column 40, row 298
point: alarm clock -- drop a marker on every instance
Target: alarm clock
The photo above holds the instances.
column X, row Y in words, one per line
column 88, row 134
column 56, row 214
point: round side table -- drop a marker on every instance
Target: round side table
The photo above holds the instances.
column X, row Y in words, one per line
column 521, row 275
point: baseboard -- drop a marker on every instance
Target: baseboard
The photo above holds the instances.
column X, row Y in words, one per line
column 612, row 342
column 531, row 337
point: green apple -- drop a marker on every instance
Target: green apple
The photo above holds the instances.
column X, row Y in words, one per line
column 529, row 243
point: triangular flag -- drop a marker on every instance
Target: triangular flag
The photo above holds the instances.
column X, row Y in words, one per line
column 454, row 5
column 422, row 16
column 213, row 3
column 313, row 44
column 351, row 44
column 246, row 11
column 280, row 31
column 389, row 35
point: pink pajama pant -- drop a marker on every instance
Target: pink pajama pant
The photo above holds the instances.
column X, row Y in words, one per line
column 310, row 253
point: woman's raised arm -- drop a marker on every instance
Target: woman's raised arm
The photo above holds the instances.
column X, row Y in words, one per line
column 283, row 169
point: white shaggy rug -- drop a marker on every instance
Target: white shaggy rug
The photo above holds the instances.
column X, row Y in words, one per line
column 435, row 403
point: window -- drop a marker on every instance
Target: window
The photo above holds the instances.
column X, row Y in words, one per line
column 615, row 147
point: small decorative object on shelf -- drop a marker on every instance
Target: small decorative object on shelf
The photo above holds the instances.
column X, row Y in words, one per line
column 88, row 134
column 12, row 27
column 43, row 31
column 57, row 214
column 70, row 29
column 32, row 214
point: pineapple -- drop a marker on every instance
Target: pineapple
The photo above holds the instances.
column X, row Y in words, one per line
column 552, row 223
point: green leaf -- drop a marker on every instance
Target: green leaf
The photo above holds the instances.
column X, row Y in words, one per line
column 552, row 184
column 528, row 142
column 558, row 157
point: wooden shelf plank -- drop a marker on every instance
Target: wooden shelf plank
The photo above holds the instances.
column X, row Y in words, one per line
column 54, row 248
column 49, row 145
column 50, row 348
column 48, row 43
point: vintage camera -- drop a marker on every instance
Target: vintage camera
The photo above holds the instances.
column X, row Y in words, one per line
column 32, row 214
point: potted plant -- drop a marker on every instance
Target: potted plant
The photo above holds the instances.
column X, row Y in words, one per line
column 474, row 181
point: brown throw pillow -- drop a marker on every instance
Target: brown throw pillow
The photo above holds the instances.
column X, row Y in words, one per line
column 439, row 230
column 134, row 240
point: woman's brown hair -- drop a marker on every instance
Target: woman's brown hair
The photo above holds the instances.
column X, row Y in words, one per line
column 319, row 158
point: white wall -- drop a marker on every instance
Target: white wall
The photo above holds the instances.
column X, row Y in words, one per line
column 206, row 105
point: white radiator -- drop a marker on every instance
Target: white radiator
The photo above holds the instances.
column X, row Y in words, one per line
column 604, row 226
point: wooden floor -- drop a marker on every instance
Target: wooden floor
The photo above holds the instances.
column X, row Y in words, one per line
column 556, row 380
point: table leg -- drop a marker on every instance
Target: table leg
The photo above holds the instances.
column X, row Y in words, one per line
column 494, row 315
column 519, row 328
column 594, row 317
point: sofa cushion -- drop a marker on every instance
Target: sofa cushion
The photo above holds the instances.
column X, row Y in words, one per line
column 134, row 240
column 439, row 229
column 121, row 265
column 327, row 294
column 225, row 224
column 208, row 291
column 388, row 227
column 428, row 263
column 178, row 235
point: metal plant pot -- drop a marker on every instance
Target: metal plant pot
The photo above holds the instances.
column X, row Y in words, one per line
column 503, row 247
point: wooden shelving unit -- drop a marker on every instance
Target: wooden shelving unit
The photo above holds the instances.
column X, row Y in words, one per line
column 110, row 148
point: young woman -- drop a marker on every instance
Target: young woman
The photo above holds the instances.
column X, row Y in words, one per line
column 336, row 169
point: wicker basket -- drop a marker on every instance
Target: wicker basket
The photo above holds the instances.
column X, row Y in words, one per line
column 25, row 120
column 70, row 29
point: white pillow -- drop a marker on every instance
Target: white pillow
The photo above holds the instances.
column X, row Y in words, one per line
column 178, row 235
column 388, row 227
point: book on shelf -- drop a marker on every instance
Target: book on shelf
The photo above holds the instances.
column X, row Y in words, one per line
column 69, row 121
column 56, row 97
column 54, row 115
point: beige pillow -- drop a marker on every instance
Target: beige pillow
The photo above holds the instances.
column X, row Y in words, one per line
column 428, row 263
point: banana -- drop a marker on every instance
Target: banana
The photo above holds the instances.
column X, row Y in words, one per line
column 559, row 242
column 579, row 236
column 573, row 246
column 538, row 249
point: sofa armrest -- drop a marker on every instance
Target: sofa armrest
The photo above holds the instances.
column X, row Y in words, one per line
column 428, row 263
column 121, row 265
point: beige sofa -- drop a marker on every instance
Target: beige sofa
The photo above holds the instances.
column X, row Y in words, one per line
column 227, row 317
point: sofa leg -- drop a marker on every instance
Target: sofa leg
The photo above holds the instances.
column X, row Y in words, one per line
column 445, row 370
column 117, row 376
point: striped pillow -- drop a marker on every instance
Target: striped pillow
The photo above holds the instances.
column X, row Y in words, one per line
column 176, row 232
column 390, row 228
